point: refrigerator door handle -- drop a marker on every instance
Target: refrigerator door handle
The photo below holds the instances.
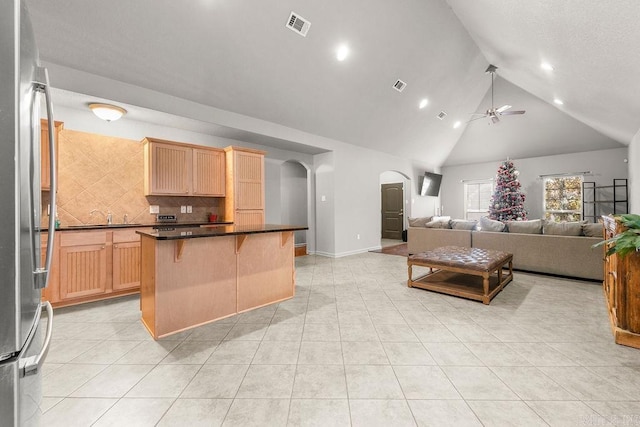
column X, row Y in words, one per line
column 42, row 273
column 31, row 365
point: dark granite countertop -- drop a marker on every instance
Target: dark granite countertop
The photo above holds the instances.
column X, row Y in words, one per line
column 166, row 233
column 84, row 227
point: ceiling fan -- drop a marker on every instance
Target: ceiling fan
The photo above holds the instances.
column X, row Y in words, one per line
column 494, row 113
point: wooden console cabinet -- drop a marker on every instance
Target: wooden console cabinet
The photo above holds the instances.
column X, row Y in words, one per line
column 622, row 290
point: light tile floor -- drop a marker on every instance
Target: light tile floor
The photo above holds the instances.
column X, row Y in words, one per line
column 354, row 347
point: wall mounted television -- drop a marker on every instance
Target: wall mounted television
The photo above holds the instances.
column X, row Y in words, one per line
column 429, row 184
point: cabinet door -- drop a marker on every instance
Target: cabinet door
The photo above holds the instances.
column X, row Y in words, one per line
column 126, row 265
column 249, row 180
column 83, row 270
column 208, row 173
column 45, row 155
column 168, row 170
column 248, row 217
column 50, row 293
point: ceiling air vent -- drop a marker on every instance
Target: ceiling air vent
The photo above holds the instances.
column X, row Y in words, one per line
column 441, row 115
column 399, row 85
column 298, row 24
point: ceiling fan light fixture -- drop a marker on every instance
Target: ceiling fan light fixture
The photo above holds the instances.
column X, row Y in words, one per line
column 107, row 112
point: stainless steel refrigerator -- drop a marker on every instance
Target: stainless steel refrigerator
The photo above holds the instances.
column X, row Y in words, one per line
column 23, row 343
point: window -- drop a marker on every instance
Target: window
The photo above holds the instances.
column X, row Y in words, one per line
column 563, row 198
column 477, row 196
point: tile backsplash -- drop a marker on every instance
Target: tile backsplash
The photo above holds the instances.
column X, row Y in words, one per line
column 107, row 173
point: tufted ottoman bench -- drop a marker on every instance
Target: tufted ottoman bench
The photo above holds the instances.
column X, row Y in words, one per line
column 464, row 272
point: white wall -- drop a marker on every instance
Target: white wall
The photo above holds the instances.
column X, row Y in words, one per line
column 605, row 165
column 634, row 174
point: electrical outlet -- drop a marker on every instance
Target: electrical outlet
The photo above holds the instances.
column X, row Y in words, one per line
column 189, row 209
column 154, row 209
column 183, row 209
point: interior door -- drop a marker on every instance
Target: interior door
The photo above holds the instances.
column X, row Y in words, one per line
column 392, row 211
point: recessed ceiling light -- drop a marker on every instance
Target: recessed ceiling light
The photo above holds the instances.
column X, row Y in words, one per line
column 342, row 52
column 546, row 66
column 457, row 124
column 558, row 101
column 423, row 103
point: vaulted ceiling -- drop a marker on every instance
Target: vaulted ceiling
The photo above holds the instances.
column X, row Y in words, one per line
column 238, row 56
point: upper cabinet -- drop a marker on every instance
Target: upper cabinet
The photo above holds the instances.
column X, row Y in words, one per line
column 244, row 204
column 45, row 154
column 175, row 169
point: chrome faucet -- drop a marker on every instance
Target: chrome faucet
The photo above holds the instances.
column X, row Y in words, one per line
column 108, row 215
column 125, row 219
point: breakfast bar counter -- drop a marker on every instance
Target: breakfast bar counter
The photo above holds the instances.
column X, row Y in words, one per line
column 193, row 276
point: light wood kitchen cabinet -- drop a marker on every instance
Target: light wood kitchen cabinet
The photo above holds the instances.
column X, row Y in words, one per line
column 175, row 169
column 91, row 265
column 50, row 292
column 244, row 203
column 126, row 260
column 208, row 172
column 83, row 264
column 622, row 289
column 45, row 155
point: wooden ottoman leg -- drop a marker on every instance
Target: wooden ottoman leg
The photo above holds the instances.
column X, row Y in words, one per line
column 410, row 275
column 485, row 287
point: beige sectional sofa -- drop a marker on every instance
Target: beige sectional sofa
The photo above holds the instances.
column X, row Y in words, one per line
column 542, row 253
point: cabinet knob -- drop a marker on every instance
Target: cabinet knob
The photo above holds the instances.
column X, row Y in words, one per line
column 102, row 247
column 115, row 246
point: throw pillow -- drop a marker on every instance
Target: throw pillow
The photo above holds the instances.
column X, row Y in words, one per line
column 563, row 228
column 437, row 224
column 419, row 222
column 487, row 224
column 533, row 226
column 463, row 224
column 593, row 230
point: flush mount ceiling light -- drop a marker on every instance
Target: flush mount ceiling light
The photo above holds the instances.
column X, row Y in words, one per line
column 107, row 112
column 423, row 103
column 342, row 52
column 546, row 66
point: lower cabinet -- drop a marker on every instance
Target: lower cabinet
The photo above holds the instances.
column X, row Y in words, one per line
column 95, row 264
column 126, row 260
column 83, row 264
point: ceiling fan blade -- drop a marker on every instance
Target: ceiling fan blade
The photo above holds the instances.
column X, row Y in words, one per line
column 479, row 114
column 509, row 113
column 503, row 108
column 477, row 118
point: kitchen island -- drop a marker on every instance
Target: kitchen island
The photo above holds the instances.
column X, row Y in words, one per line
column 193, row 276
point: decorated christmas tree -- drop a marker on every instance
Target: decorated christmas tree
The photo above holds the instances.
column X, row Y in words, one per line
column 507, row 202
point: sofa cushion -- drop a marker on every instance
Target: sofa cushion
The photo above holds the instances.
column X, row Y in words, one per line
column 593, row 230
column 438, row 224
column 487, row 224
column 462, row 224
column 533, row 226
column 419, row 222
column 563, row 228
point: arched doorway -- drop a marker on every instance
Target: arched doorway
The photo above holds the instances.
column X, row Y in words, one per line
column 294, row 199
